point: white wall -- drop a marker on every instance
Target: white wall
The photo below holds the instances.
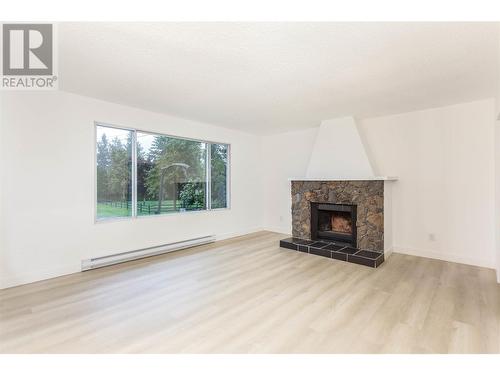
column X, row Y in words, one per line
column 48, row 185
column 497, row 191
column 497, row 164
column 444, row 158
column 327, row 158
column 286, row 155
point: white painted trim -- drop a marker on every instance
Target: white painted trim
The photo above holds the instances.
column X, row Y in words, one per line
column 225, row 236
column 281, row 230
column 388, row 252
column 22, row 278
column 446, row 257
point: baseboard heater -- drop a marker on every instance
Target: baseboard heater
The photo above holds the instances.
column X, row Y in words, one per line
column 127, row 256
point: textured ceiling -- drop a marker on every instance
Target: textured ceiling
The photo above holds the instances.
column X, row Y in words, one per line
column 271, row 77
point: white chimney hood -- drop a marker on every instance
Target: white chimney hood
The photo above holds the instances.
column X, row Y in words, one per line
column 339, row 154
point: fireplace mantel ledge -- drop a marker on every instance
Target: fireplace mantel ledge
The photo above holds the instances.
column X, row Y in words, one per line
column 372, row 178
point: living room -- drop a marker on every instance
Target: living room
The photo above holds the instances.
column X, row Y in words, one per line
column 250, row 187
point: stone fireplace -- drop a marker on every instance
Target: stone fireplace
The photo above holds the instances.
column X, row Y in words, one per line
column 348, row 220
column 358, row 204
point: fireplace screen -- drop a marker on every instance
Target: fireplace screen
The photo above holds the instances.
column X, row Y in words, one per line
column 334, row 222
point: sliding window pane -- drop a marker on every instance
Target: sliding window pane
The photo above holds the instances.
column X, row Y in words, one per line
column 114, row 172
column 219, row 166
column 171, row 174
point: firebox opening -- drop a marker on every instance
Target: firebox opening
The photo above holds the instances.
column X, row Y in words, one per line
column 334, row 222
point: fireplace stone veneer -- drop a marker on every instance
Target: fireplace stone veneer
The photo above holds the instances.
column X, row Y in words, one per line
column 367, row 196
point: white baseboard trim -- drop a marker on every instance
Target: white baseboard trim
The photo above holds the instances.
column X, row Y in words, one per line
column 31, row 277
column 446, row 257
column 226, row 236
column 388, row 252
column 283, row 230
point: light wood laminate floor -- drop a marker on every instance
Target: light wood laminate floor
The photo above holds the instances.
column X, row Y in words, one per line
column 247, row 295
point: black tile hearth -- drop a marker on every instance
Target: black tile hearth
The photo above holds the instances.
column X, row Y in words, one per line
column 293, row 243
column 320, row 252
column 339, row 256
column 303, row 248
column 367, row 258
column 334, row 247
column 317, row 248
column 348, row 250
column 288, row 244
column 369, row 254
column 334, row 250
column 319, row 244
column 360, row 260
column 300, row 241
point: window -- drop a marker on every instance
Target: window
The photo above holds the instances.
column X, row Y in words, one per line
column 114, row 172
column 142, row 174
column 171, row 174
column 218, row 173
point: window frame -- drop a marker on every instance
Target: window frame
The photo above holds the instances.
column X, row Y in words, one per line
column 208, row 176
